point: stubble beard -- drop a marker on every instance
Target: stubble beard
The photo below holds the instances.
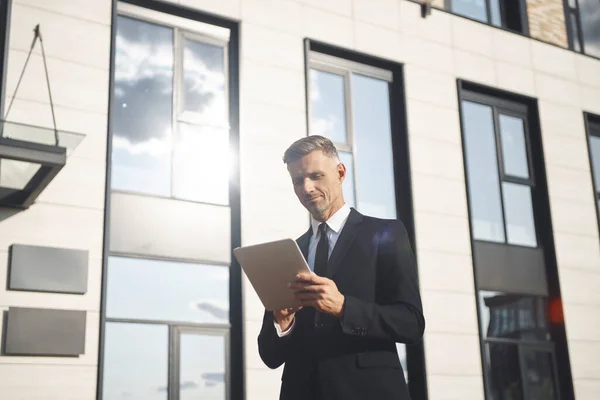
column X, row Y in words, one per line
column 318, row 212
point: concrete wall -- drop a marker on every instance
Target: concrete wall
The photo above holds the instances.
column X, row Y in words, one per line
column 435, row 51
column 70, row 212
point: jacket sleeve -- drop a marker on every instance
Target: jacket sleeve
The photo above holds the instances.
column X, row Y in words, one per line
column 397, row 313
column 272, row 348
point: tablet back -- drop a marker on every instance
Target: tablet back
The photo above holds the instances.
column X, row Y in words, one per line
column 270, row 267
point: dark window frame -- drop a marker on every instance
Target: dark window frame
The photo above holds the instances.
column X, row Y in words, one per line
column 524, row 17
column 573, row 12
column 544, row 230
column 235, row 362
column 415, row 354
column 5, row 13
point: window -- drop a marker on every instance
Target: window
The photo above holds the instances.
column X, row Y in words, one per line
column 593, row 129
column 350, row 105
column 167, row 291
column 160, row 362
column 500, row 180
column 519, row 358
column 171, row 314
column 160, row 313
column 170, row 112
column 524, row 348
column 508, row 14
column 583, row 24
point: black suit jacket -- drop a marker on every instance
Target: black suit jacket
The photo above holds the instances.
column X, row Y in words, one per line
column 354, row 357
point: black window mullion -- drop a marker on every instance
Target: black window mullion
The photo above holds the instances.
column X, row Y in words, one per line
column 524, row 387
column 518, row 181
column 579, row 27
column 499, row 160
column 488, row 11
column 503, row 21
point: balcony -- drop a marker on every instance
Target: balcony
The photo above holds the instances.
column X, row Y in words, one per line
column 30, row 157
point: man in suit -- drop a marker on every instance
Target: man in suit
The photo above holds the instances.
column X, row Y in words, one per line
column 361, row 299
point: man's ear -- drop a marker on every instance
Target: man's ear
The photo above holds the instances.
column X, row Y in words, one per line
column 341, row 170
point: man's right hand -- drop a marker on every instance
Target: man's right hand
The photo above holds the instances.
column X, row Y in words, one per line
column 285, row 317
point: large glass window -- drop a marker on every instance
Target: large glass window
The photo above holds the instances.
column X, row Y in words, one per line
column 167, row 319
column 519, row 358
column 498, row 172
column 350, row 105
column 170, row 114
column 508, row 14
column 583, row 22
column 515, row 269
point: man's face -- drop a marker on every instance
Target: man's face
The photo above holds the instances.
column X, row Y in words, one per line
column 317, row 181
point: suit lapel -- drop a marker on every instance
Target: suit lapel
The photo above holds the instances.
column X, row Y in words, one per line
column 303, row 242
column 344, row 241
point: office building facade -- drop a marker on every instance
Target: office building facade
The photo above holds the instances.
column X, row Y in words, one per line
column 142, row 140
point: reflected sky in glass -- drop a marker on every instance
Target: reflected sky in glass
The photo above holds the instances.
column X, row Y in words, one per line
column 201, row 164
column 589, row 12
column 520, row 226
column 136, row 360
column 167, row 291
column 475, row 9
column 202, row 367
column 348, row 185
column 595, row 153
column 204, row 83
column 482, row 172
column 375, row 184
column 495, row 12
column 142, row 108
column 328, row 109
column 401, row 349
column 514, row 149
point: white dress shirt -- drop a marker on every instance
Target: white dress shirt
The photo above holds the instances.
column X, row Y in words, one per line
column 335, row 224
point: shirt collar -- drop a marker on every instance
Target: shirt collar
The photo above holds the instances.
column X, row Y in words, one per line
column 335, row 222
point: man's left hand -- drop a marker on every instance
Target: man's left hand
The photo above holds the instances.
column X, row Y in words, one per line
column 318, row 292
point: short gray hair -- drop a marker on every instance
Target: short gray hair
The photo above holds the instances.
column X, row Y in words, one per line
column 307, row 145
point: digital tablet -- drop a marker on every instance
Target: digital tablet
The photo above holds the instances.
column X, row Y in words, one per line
column 270, row 267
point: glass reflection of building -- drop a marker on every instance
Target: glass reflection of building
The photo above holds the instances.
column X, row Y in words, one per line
column 517, row 317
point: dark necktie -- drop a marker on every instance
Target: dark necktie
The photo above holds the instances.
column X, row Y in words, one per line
column 322, row 254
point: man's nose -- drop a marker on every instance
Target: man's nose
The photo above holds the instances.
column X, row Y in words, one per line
column 308, row 187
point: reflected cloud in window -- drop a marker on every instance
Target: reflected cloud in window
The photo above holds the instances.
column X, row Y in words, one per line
column 167, row 291
column 589, row 12
column 201, row 355
column 204, row 83
column 152, row 153
column 142, row 108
